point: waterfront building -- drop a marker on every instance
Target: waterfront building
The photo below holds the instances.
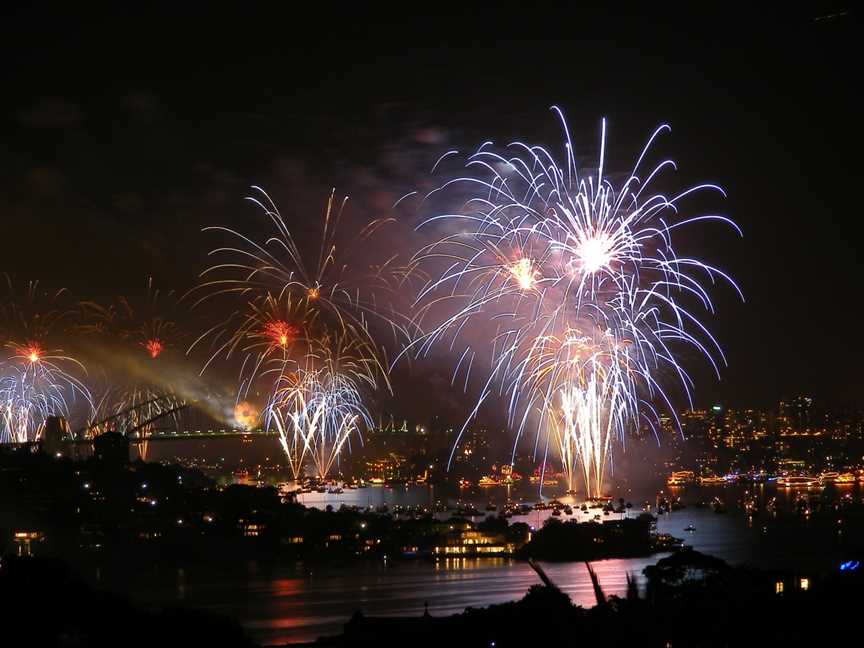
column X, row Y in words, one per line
column 25, row 540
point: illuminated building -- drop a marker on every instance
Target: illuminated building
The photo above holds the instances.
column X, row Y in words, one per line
column 25, row 540
column 251, row 528
column 471, row 543
column 681, row 477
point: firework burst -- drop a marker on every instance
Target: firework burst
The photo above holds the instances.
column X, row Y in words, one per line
column 319, row 405
column 304, row 333
column 541, row 250
column 287, row 295
column 37, row 379
column 265, row 335
column 144, row 322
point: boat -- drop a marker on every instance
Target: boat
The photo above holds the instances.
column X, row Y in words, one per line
column 568, row 510
column 601, row 499
column 547, row 481
column 486, row 480
column 491, row 507
column 845, row 479
column 556, row 512
column 711, row 481
column 680, row 477
column 798, row 481
column 690, row 528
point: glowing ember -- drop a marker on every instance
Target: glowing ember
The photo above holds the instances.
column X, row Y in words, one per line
column 154, row 348
column 313, row 293
column 245, row 415
column 525, row 273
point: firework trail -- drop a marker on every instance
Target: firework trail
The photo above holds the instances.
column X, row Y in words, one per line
column 37, row 379
column 542, row 251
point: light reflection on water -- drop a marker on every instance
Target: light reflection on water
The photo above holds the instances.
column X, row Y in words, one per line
column 280, row 605
column 276, row 608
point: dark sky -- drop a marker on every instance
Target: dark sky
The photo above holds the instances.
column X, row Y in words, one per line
column 123, row 134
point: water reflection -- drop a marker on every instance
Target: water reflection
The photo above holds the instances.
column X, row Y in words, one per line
column 292, row 610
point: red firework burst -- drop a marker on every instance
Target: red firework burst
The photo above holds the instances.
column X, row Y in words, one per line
column 280, row 333
column 154, row 347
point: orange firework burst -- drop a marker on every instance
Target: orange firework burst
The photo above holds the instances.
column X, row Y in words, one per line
column 154, row 347
column 33, row 353
column 245, row 415
column 525, row 273
column 281, row 333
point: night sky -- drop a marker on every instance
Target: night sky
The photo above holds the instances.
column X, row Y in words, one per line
column 124, row 134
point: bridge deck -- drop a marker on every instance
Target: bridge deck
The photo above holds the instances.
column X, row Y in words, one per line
column 197, row 435
column 206, row 434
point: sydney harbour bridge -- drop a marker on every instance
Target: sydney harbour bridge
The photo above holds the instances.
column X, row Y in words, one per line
column 158, row 419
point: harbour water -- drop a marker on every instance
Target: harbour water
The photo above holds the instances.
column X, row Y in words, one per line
column 302, row 602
